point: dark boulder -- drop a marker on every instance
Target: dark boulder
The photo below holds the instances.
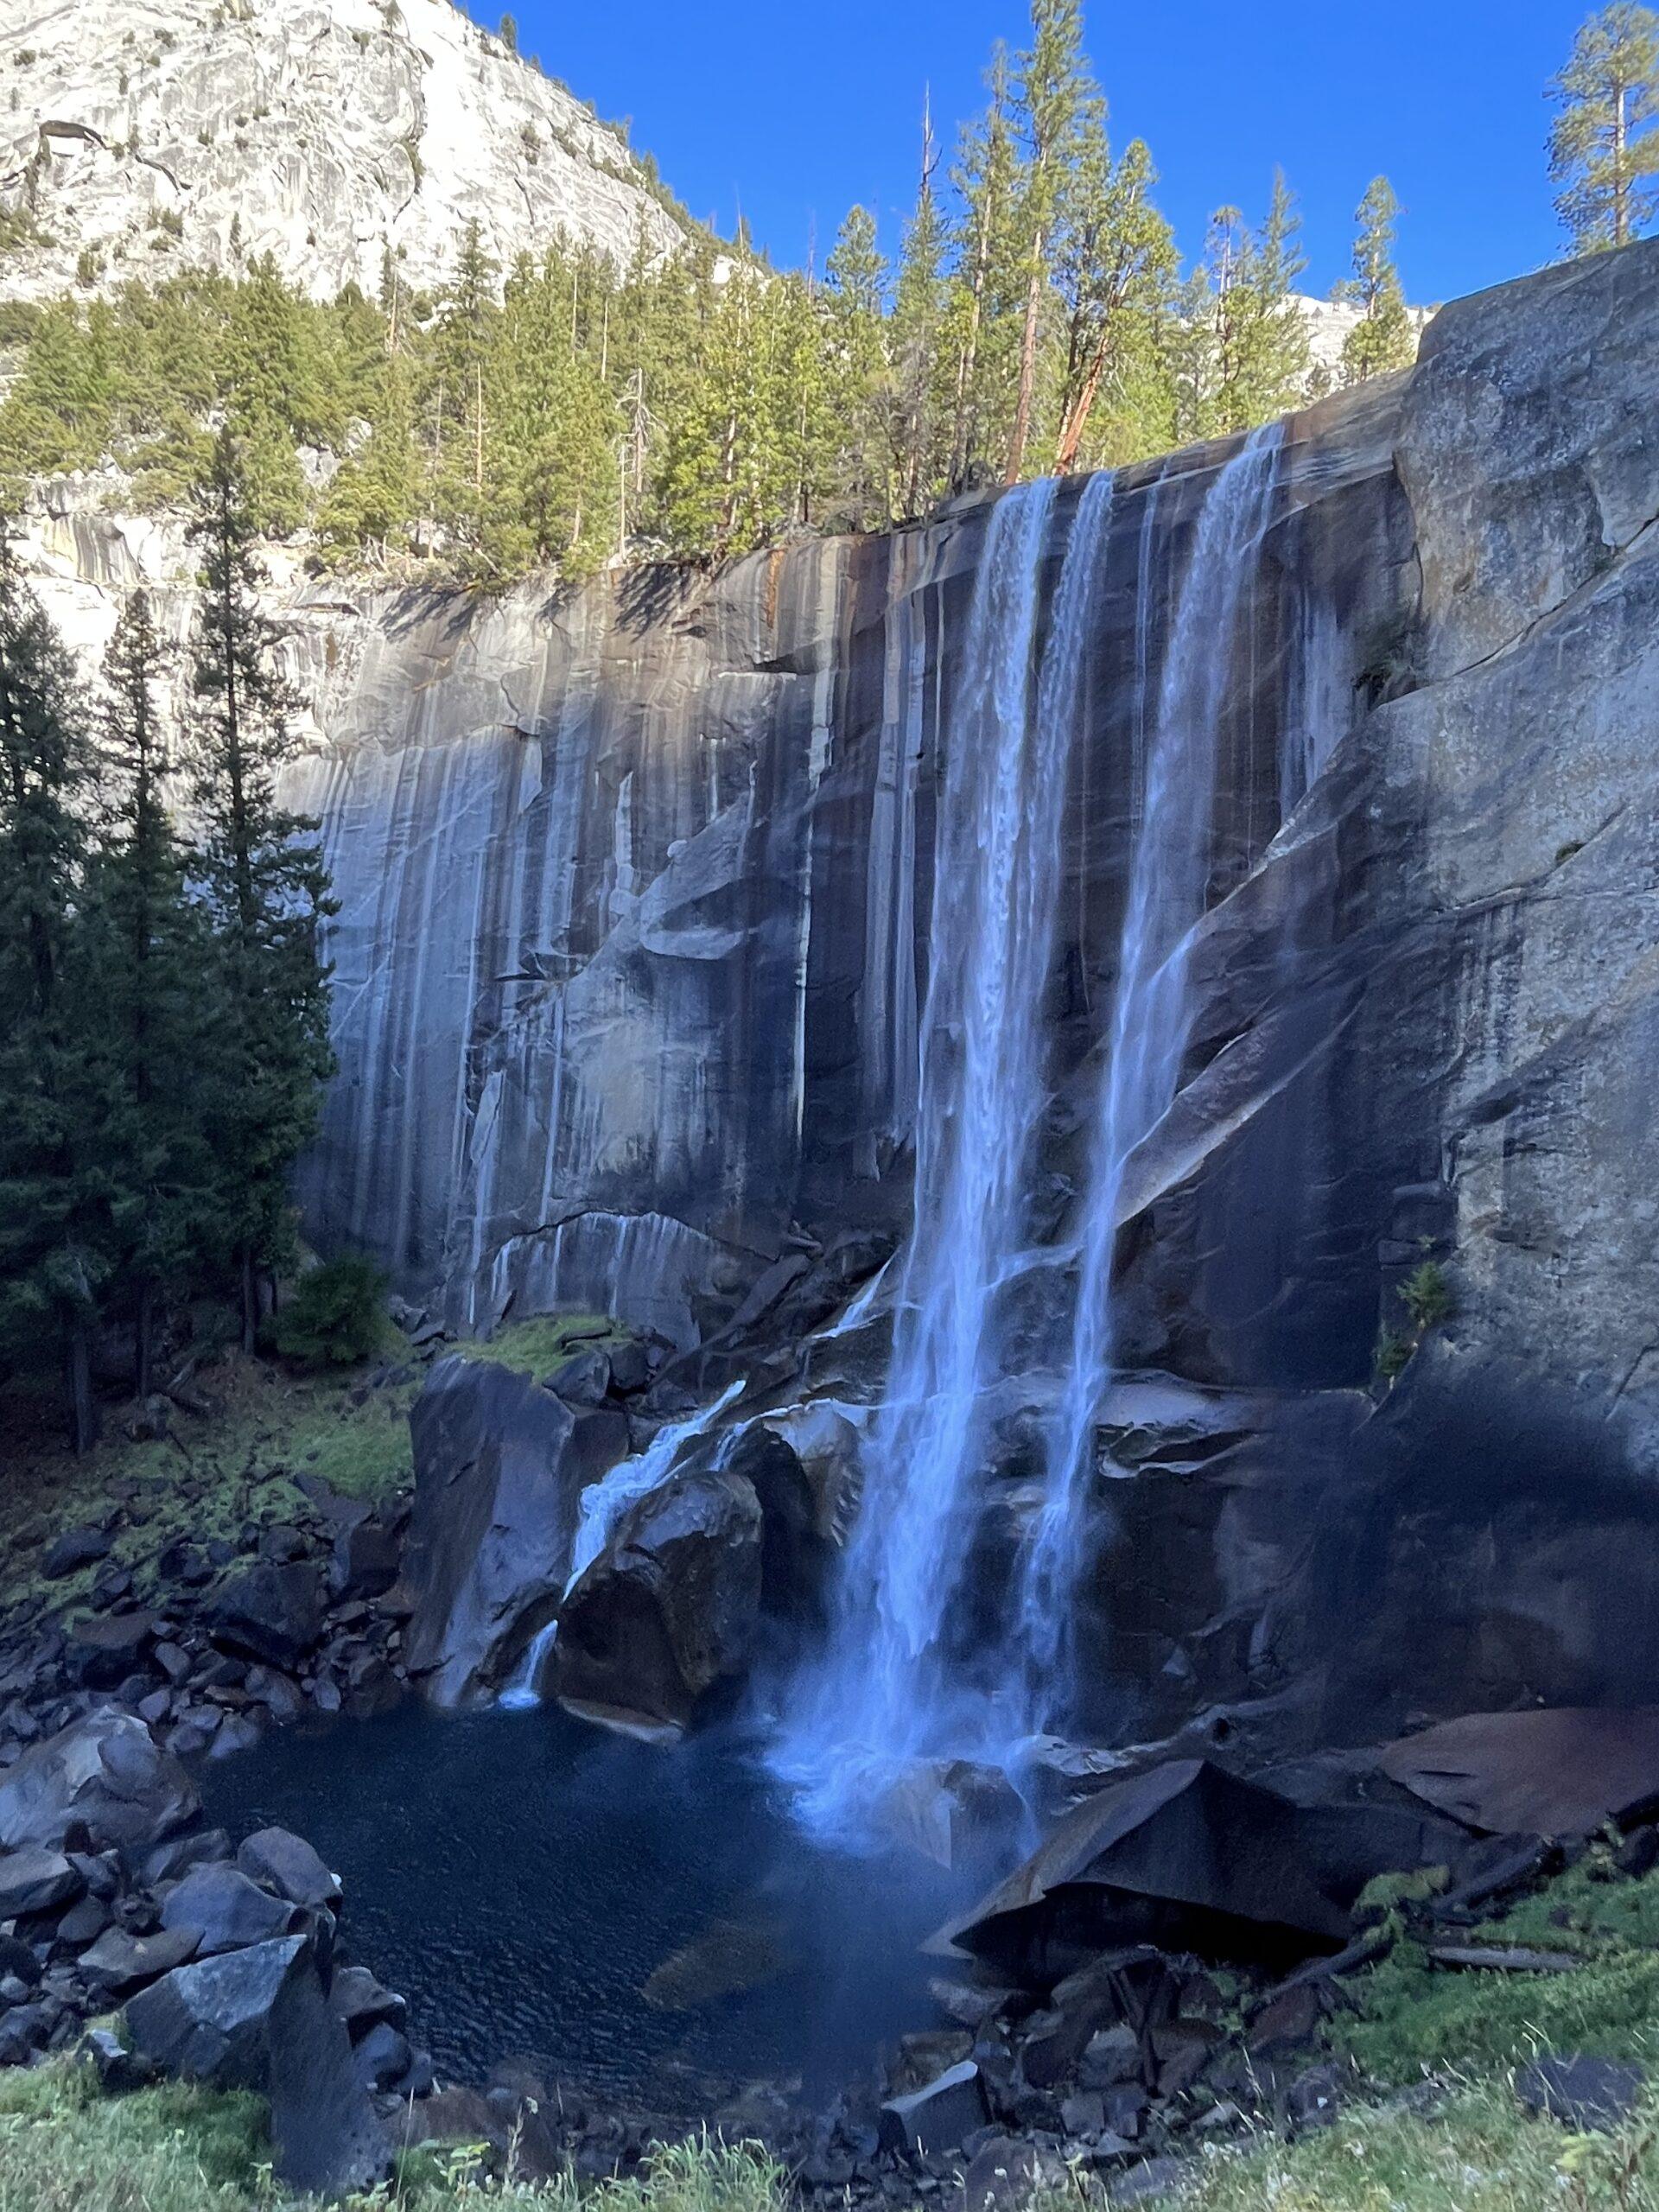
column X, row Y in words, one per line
column 796, row 1554
column 1191, row 1858
column 1558, row 1772
column 584, row 1379
column 73, row 1549
column 288, row 1864
column 34, row 1880
column 103, row 1774
column 501, row 1465
column 363, row 2004
column 1581, row 2093
column 937, row 2117
column 101, row 1653
column 366, row 1560
column 669, row 1609
column 273, row 1612
column 257, row 2019
column 121, row 1962
column 226, row 1911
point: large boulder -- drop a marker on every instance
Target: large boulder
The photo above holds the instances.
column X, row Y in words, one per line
column 104, row 1773
column 501, row 1465
column 1190, row 1858
column 259, row 2019
column 226, row 1911
column 1555, row 1771
column 273, row 1612
column 669, row 1609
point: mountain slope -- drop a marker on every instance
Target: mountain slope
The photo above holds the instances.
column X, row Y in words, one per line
column 137, row 136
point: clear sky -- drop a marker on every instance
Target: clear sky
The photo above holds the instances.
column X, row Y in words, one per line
column 796, row 108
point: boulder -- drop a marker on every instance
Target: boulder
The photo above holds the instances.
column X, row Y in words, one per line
column 669, row 1607
column 939, row 2117
column 1561, row 1771
column 226, row 1911
column 73, row 1549
column 1190, row 1858
column 362, row 2003
column 501, row 1465
column 257, row 2019
column 105, row 1774
column 584, row 1379
column 34, row 1880
column 273, row 1611
column 120, row 1961
column 101, row 1653
column 956, row 1812
column 366, row 1559
column 288, row 1864
column 1581, row 2093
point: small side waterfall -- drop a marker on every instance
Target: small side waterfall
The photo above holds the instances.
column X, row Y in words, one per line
column 886, row 1693
column 1151, row 1014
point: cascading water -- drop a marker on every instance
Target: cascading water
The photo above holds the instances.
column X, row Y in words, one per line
column 603, row 1503
column 1152, row 1015
column 886, row 1694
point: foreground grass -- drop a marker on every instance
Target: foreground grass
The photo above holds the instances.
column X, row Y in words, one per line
column 1477, row 2154
column 65, row 2148
column 1414, row 2016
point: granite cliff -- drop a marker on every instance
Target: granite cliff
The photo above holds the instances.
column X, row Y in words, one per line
column 635, row 883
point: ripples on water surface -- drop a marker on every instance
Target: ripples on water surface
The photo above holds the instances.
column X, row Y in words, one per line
column 522, row 1878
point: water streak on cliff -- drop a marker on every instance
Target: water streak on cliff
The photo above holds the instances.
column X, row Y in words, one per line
column 1151, row 1024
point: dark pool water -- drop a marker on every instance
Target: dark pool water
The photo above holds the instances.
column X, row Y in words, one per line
column 522, row 1878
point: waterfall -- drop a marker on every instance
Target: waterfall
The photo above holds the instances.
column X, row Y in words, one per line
column 1169, row 872
column 885, row 1694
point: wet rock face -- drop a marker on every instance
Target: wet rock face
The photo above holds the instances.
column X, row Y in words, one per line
column 669, row 1609
column 501, row 1465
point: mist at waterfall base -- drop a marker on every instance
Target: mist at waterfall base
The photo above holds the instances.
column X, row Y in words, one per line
column 898, row 1684
column 521, row 1877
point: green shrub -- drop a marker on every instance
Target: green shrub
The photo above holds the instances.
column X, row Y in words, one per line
column 334, row 1317
column 1427, row 1296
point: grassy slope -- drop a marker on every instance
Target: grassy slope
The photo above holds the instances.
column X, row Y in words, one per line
column 231, row 1467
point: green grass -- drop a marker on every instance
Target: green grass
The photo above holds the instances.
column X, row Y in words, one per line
column 540, row 1344
column 65, row 2147
column 1478, row 2153
column 267, row 1425
column 1412, row 2015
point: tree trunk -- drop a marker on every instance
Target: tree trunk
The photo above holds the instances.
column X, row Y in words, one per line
column 143, row 1342
column 83, row 1406
column 250, row 1302
column 1028, row 363
column 1076, row 422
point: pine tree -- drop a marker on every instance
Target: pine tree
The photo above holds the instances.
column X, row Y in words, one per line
column 1056, row 99
column 375, row 496
column 1243, row 351
column 989, row 290
column 920, row 398
column 1116, row 274
column 1603, row 148
column 265, row 886
column 270, row 394
column 855, row 285
column 53, row 1186
column 146, row 959
column 458, row 365
column 1383, row 340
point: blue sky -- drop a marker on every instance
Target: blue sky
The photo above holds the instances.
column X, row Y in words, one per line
column 796, row 108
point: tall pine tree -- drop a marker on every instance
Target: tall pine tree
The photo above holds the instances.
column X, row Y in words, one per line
column 1604, row 147
column 266, row 888
column 53, row 1260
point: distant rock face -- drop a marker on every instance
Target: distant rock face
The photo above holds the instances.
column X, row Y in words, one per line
column 324, row 132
